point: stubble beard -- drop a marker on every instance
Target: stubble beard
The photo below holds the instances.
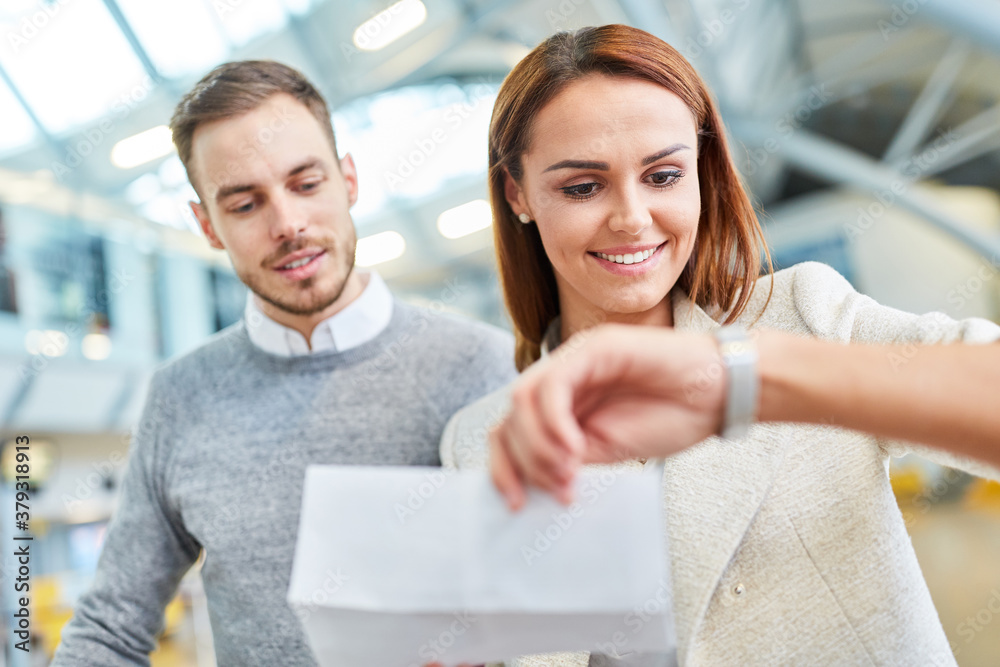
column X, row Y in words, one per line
column 317, row 303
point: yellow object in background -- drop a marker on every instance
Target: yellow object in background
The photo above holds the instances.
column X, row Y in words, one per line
column 907, row 481
column 50, row 613
column 983, row 495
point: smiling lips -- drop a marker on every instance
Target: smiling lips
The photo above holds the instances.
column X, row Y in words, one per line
column 301, row 264
column 630, row 256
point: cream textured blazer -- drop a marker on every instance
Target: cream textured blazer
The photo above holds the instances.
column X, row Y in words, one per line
column 787, row 547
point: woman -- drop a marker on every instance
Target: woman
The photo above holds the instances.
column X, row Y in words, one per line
column 615, row 200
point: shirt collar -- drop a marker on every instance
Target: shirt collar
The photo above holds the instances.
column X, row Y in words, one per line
column 357, row 323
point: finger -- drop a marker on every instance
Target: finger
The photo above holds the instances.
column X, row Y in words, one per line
column 541, row 460
column 502, row 471
column 557, row 411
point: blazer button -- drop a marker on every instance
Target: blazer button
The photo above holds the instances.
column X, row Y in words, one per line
column 738, row 590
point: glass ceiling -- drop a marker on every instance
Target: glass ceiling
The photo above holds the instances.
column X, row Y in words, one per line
column 72, row 63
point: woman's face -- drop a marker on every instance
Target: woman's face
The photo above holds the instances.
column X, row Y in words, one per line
column 611, row 180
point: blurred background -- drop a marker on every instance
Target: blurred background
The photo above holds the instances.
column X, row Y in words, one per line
column 867, row 130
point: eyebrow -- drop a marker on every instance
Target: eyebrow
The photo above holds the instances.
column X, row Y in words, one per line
column 603, row 166
column 230, row 190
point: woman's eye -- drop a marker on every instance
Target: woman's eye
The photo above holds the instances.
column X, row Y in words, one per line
column 581, row 190
column 666, row 177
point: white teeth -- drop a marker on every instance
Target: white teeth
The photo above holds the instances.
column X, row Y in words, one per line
column 633, row 258
column 297, row 263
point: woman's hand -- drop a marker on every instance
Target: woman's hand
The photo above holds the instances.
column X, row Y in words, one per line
column 611, row 393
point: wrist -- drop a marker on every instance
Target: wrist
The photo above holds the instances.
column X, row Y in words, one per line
column 792, row 388
column 739, row 357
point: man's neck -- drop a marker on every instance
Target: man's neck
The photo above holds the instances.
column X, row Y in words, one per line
column 306, row 324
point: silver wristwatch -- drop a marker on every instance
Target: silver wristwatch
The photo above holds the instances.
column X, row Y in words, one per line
column 739, row 354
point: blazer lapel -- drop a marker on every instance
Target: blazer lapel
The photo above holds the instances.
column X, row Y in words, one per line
column 711, row 494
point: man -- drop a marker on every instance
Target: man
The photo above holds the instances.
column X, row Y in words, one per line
column 325, row 368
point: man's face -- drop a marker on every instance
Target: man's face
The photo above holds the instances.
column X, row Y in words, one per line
column 277, row 199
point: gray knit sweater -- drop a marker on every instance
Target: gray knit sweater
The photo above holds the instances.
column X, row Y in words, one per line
column 217, row 464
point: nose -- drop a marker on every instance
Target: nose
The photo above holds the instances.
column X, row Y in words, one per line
column 631, row 213
column 287, row 218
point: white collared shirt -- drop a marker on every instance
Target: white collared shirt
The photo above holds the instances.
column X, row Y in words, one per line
column 359, row 322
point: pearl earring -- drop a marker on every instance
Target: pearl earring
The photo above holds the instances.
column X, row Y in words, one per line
column 524, row 218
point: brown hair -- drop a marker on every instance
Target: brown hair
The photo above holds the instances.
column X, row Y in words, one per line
column 726, row 260
column 236, row 88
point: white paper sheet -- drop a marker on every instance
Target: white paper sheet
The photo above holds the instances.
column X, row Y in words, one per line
column 402, row 566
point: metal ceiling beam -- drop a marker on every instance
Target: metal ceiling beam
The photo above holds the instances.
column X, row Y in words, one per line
column 975, row 137
column 133, row 41
column 838, row 164
column 53, row 144
column 865, row 67
column 978, row 20
column 929, row 104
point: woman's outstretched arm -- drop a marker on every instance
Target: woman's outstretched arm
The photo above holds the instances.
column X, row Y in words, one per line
column 619, row 392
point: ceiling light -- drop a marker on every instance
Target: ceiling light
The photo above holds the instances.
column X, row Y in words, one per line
column 379, row 248
column 50, row 343
column 96, row 346
column 465, row 219
column 142, row 147
column 389, row 25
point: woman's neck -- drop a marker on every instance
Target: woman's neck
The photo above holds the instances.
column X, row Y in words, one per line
column 576, row 319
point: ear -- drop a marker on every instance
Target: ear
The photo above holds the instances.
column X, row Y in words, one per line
column 514, row 195
column 206, row 225
column 350, row 174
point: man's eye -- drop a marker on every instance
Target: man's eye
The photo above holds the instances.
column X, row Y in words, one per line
column 581, row 190
column 311, row 185
column 246, row 208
